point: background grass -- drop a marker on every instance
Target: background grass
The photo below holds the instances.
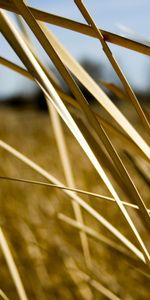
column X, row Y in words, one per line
column 40, row 242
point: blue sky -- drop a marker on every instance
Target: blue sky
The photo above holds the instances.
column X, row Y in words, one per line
column 107, row 14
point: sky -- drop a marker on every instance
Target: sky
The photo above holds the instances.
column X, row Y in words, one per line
column 109, row 15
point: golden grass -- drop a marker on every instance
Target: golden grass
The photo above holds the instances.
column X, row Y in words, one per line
column 37, row 207
column 126, row 221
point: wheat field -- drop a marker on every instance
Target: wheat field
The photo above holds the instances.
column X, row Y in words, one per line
column 74, row 180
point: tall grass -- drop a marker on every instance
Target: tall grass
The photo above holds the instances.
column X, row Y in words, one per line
column 98, row 138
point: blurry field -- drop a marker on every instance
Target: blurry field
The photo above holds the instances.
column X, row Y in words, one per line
column 44, row 246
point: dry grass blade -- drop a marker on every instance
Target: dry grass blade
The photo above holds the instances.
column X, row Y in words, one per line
column 5, row 62
column 72, row 195
column 3, row 295
column 66, row 164
column 81, row 28
column 78, row 191
column 12, row 267
column 114, row 64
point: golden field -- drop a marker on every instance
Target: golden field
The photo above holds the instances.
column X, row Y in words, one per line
column 46, row 250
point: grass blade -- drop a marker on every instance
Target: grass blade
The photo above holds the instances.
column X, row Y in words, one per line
column 3, row 295
column 66, row 164
column 78, row 191
column 12, row 267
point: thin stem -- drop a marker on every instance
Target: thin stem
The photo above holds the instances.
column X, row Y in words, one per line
column 12, row 266
column 79, row 191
